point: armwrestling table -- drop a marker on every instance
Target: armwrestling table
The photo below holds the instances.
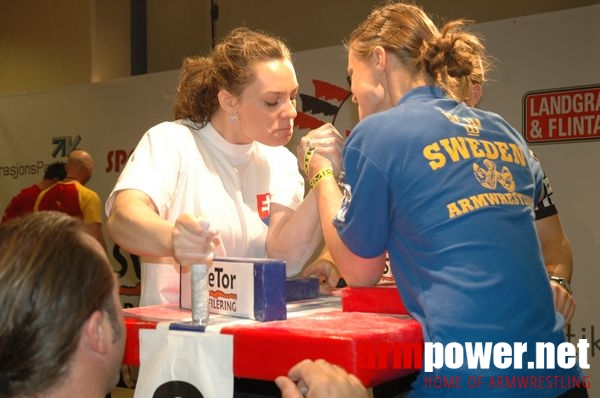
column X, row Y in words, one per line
column 345, row 329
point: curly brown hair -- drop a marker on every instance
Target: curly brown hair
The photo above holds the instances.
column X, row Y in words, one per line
column 229, row 66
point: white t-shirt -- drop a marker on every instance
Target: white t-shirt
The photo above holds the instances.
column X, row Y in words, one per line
column 184, row 169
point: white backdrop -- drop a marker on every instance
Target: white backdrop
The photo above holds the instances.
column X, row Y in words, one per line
column 537, row 52
column 106, row 119
column 548, row 51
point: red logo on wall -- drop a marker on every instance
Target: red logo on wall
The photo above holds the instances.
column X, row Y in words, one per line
column 564, row 114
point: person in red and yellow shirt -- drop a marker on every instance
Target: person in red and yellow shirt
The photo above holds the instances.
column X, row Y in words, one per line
column 72, row 197
column 23, row 202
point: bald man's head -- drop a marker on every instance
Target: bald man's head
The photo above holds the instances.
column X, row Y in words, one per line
column 80, row 165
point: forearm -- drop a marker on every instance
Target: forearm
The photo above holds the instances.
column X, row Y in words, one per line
column 559, row 259
column 556, row 248
column 319, row 155
column 294, row 236
column 356, row 270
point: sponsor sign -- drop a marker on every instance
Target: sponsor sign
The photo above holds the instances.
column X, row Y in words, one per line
column 252, row 288
column 564, row 114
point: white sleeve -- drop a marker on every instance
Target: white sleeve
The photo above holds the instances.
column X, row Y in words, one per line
column 152, row 167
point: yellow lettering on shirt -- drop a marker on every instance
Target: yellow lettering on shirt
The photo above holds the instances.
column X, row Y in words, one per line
column 431, row 153
column 456, row 149
column 465, row 205
column 484, row 155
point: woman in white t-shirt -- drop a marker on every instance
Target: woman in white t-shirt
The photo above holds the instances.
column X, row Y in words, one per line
column 222, row 160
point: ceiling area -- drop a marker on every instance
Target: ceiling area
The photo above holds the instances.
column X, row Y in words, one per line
column 56, row 43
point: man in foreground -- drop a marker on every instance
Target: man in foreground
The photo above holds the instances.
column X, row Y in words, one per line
column 62, row 332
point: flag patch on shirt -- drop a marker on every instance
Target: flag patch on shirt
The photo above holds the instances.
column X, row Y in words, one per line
column 263, row 204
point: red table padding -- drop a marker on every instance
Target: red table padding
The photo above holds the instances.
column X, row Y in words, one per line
column 132, row 343
column 350, row 339
column 378, row 299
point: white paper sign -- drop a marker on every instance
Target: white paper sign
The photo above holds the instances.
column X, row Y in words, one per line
column 184, row 364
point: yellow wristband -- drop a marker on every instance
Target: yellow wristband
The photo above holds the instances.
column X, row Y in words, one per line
column 307, row 157
column 324, row 173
